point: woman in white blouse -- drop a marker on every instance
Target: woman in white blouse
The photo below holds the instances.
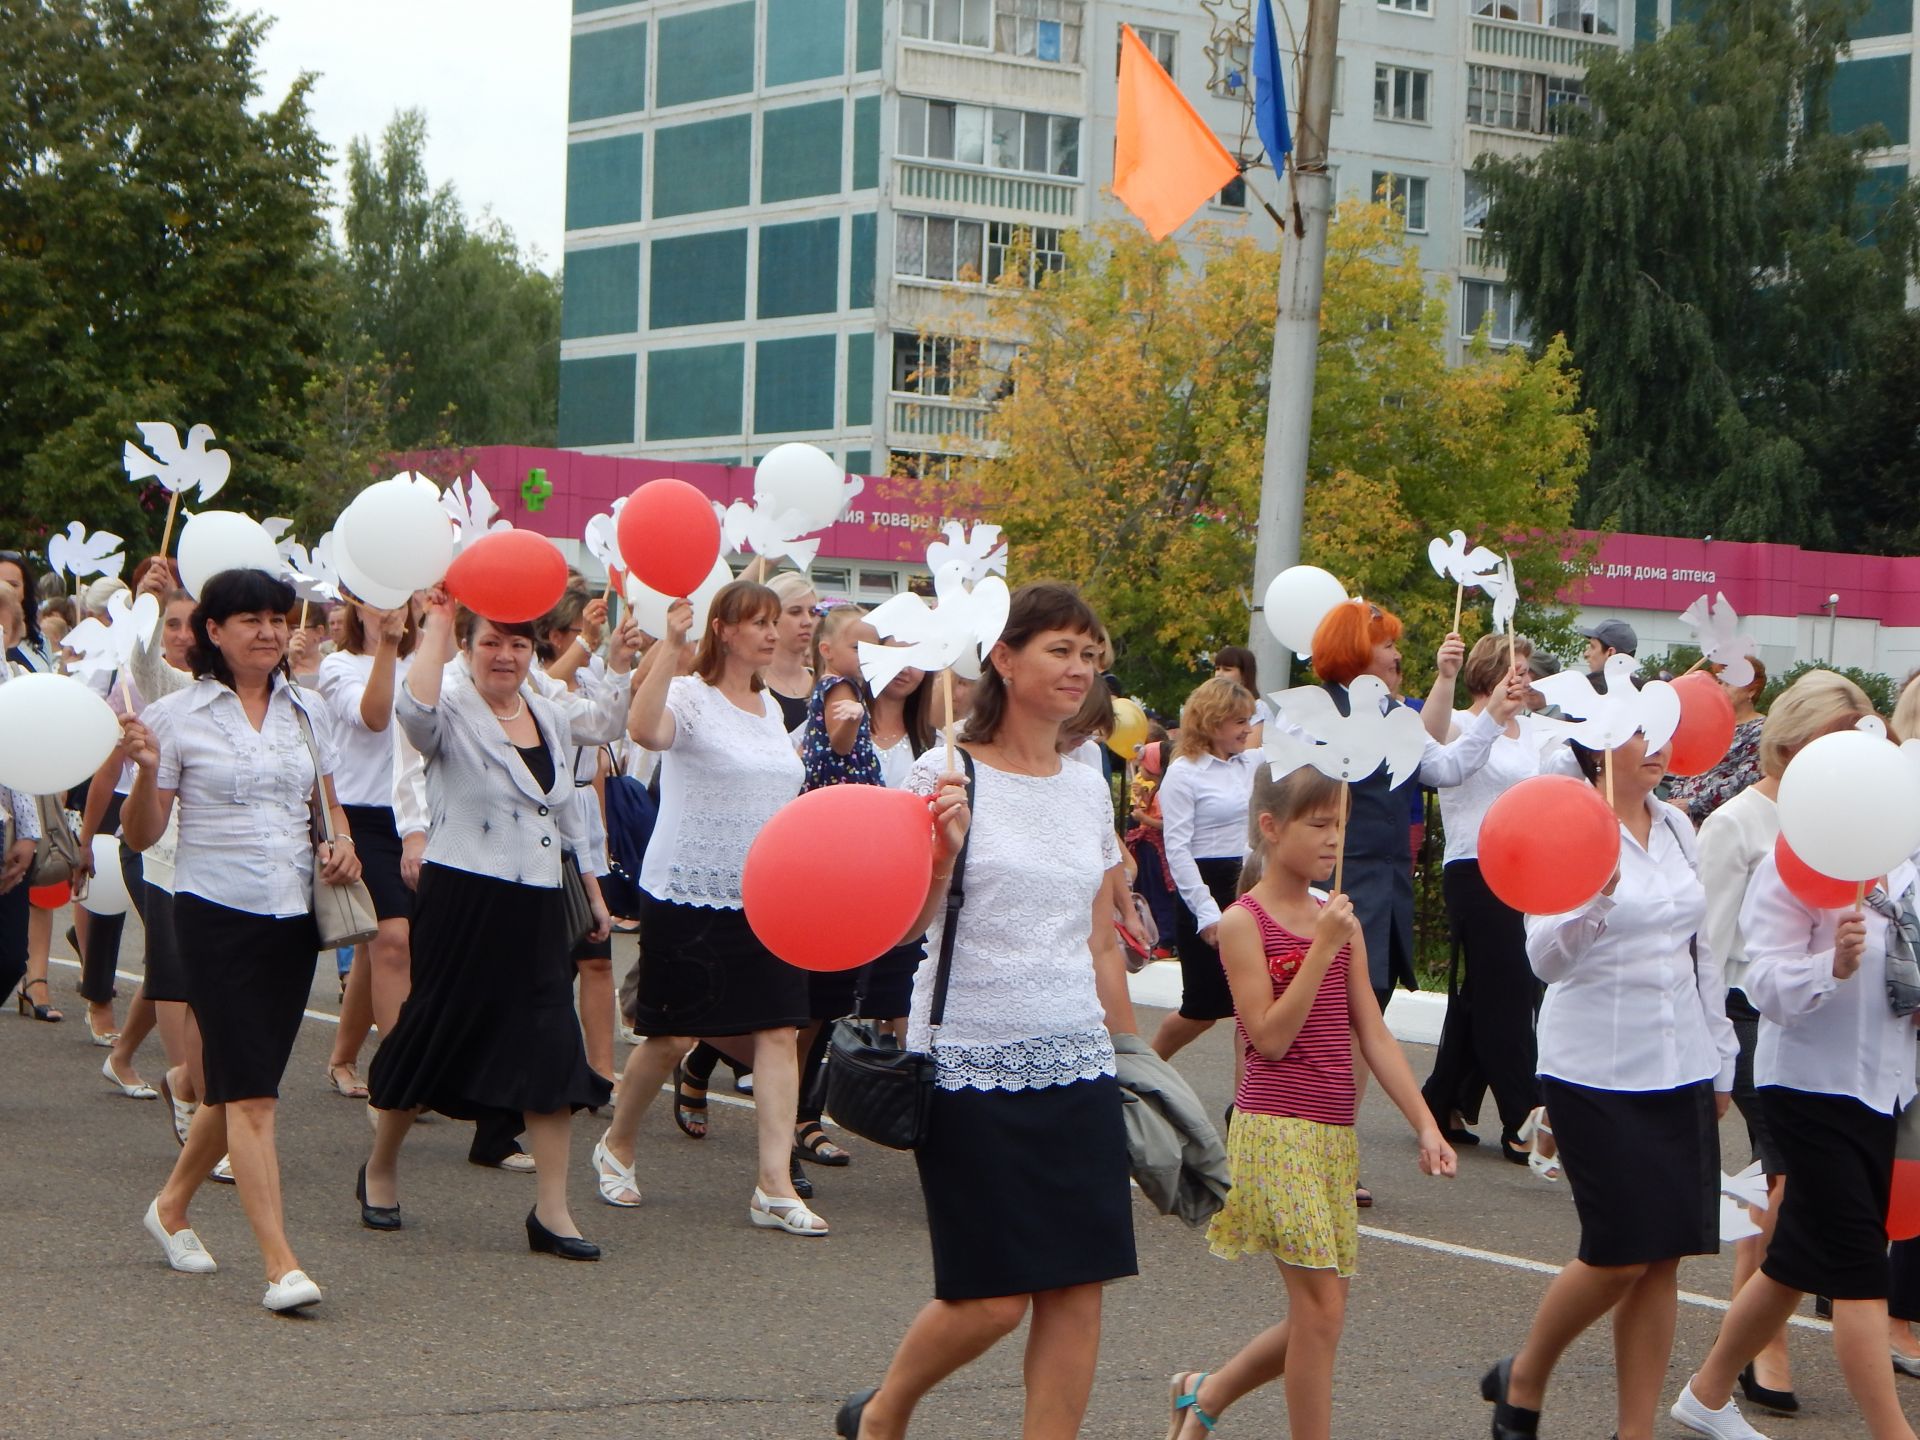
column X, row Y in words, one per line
column 19, row 808
column 1203, row 808
column 726, row 766
column 1024, row 1165
column 237, row 751
column 1636, row 1061
column 356, row 683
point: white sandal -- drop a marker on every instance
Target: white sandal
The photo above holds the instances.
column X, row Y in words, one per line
column 613, row 1179
column 1547, row 1167
column 775, row 1212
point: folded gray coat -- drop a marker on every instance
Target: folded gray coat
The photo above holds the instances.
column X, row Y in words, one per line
column 1176, row 1153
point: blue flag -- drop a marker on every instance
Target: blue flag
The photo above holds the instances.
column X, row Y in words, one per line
column 1269, row 88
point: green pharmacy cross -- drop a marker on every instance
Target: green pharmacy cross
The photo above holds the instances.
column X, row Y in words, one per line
column 537, row 490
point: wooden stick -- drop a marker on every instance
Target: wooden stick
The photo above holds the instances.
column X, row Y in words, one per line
column 1607, row 765
column 1459, row 598
column 953, row 743
column 303, row 613
column 166, row 535
column 1860, row 897
column 1340, row 858
column 756, row 571
column 1693, row 667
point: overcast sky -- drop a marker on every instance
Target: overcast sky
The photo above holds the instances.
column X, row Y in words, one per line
column 490, row 74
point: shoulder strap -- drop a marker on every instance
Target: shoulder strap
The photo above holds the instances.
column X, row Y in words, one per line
column 956, row 897
column 317, row 804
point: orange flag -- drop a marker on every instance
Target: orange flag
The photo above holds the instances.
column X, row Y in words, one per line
column 1166, row 160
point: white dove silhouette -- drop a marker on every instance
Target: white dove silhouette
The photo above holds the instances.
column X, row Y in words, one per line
column 1716, row 627
column 976, row 554
column 745, row 527
column 104, row 648
column 1453, row 560
column 471, row 508
column 1347, row 747
column 311, row 571
column 175, row 466
column 1506, row 594
column 962, row 623
column 81, row 554
column 602, row 537
column 1608, row 721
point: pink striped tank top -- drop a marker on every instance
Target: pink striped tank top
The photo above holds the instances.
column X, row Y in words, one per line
column 1314, row 1079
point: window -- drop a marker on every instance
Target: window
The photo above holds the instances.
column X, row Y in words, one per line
column 1407, row 194
column 1234, row 196
column 1039, row 29
column 921, row 465
column 1565, row 98
column 1504, row 99
column 1159, row 42
column 932, row 247
column 1476, row 200
column 1400, row 93
column 1408, row 7
column 1232, row 59
column 952, row 22
column 1034, row 249
column 923, row 364
column 1484, row 300
column 1020, row 140
column 1589, row 17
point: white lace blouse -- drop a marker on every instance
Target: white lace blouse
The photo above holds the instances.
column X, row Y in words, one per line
column 1022, row 1009
column 726, row 773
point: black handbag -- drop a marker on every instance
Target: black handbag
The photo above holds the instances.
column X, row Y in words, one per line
column 573, row 900
column 876, row 1089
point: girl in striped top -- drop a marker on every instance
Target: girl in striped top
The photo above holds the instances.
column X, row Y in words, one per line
column 1297, row 966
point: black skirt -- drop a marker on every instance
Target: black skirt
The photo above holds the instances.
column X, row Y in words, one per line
column 888, row 992
column 248, row 977
column 1027, row 1190
column 1645, row 1169
column 377, row 843
column 1831, row 1238
column 489, row 1026
column 1203, row 979
column 832, row 994
column 704, row 972
column 1753, row 1109
column 164, row 978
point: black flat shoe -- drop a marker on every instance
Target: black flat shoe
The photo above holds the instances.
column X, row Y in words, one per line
column 542, row 1241
column 374, row 1217
column 802, row 1186
column 1782, row 1402
column 1458, row 1137
column 847, row 1423
column 1510, row 1422
column 1511, row 1149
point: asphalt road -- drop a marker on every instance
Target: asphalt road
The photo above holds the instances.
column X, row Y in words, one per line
column 696, row 1325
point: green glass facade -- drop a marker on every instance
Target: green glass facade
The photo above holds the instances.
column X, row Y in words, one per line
column 702, row 165
column 800, row 151
column 1875, row 91
column 608, row 73
column 794, row 383
column 695, row 391
column 601, row 292
column 706, row 55
column 806, row 40
column 604, row 181
column 799, row 269
column 596, row 400
column 697, row 279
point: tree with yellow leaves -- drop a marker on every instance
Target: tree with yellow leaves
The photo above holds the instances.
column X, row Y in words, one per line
column 1128, row 442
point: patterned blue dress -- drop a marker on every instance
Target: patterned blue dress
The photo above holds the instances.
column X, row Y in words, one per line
column 825, row 765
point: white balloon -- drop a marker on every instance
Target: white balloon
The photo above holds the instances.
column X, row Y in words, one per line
column 398, row 534
column 1850, row 805
column 362, row 585
column 1297, row 601
column 216, row 540
column 649, row 606
column 55, row 731
column 803, row 478
column 107, row 890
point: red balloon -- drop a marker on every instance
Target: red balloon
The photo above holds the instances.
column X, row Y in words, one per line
column 1549, row 845
column 669, row 536
column 1809, row 886
column 1903, row 1207
column 510, row 576
column 804, row 900
column 52, row 897
column 1706, row 725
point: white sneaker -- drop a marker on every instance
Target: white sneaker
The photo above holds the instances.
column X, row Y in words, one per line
column 185, row 1253
column 223, row 1172
column 292, row 1291
column 1726, row 1423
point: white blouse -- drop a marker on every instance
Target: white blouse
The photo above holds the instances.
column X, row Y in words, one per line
column 1203, row 812
column 366, row 756
column 1733, row 841
column 896, row 762
column 1628, row 1006
column 19, row 804
column 1022, row 1009
column 726, row 773
column 1464, row 806
column 1819, row 1034
column 243, row 795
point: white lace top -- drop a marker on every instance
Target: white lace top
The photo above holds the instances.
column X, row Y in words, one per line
column 726, row 773
column 1022, row 1010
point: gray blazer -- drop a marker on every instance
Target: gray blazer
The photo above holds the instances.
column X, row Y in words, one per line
column 486, row 814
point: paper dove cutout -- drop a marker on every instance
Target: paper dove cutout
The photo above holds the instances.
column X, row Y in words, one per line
column 1345, row 747
column 1716, row 627
column 178, row 467
column 471, row 508
column 1453, row 560
column 105, row 648
column 1608, row 721
column 311, row 571
column 979, row 555
column 603, row 539
column 1737, row 1192
column 753, row 527
column 959, row 623
column 1506, row 594
column 81, row 554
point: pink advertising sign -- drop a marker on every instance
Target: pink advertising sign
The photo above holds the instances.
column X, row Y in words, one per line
column 1653, row 572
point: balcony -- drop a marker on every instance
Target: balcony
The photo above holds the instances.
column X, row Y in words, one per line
column 1016, row 196
column 944, row 424
column 1539, row 45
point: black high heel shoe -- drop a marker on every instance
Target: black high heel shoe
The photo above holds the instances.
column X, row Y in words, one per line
column 1782, row 1402
column 542, row 1241
column 847, row 1423
column 1510, row 1422
column 374, row 1217
column 37, row 1012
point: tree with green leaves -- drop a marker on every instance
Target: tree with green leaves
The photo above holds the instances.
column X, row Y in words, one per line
column 1706, row 244
column 159, row 255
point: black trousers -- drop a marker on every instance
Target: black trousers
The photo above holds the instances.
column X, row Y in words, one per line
column 101, row 955
column 13, row 938
column 1487, row 1040
column 1903, row 1280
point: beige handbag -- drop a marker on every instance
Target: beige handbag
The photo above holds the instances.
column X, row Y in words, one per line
column 343, row 914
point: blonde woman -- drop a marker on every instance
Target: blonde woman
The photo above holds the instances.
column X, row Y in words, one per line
column 788, row 676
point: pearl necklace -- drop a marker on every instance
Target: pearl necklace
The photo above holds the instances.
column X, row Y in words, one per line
column 519, row 709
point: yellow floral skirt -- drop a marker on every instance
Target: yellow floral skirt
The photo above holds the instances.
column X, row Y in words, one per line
column 1292, row 1197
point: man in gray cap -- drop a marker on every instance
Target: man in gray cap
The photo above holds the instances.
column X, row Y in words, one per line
column 1607, row 637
